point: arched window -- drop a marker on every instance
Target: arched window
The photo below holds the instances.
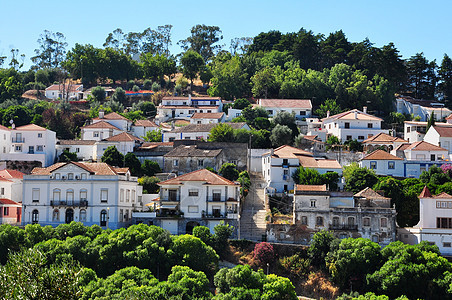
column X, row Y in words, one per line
column 103, row 218
column 82, row 215
column 319, row 221
column 56, row 215
column 335, row 221
column 56, row 195
column 351, row 221
column 83, row 195
column 35, row 216
column 366, row 221
column 70, row 196
column 383, row 222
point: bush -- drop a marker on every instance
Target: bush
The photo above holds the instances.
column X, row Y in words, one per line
column 264, row 252
column 295, row 266
column 147, row 84
column 156, row 87
column 135, row 88
column 130, row 84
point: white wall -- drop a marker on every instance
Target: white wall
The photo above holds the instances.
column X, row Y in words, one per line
column 382, row 167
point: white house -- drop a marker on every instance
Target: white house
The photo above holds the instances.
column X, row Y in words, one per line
column 184, row 107
column 278, row 166
column 435, row 222
column 85, row 149
column 353, row 125
column 421, row 108
column 11, row 185
column 28, row 143
column 383, row 163
column 196, row 131
column 233, row 113
column 206, row 118
column 197, row 198
column 141, row 127
column 64, row 91
column 114, row 119
column 301, row 108
column 382, row 140
column 91, row 193
column 440, row 136
column 98, row 131
column 414, row 131
column 127, row 142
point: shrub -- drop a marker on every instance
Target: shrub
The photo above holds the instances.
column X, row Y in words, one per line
column 295, row 266
column 264, row 252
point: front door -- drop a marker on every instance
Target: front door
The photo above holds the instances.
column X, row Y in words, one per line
column 69, row 215
column 173, row 114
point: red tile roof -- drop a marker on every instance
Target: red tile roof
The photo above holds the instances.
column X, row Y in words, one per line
column 289, row 103
column 11, row 174
column 380, row 155
column 425, row 193
column 31, row 127
column 145, row 123
column 4, row 201
column 310, row 188
column 101, row 125
column 4, row 128
column 424, row 146
column 202, row 175
column 58, row 87
column 350, row 115
column 123, row 137
column 369, row 193
column 218, row 115
column 93, row 168
column 383, row 138
column 444, row 131
column 113, row 116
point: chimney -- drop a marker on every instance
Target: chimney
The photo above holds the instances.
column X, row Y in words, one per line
column 356, row 114
column 101, row 114
column 328, row 114
column 365, row 109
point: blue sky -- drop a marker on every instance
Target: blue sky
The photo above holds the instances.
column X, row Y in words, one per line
column 413, row 26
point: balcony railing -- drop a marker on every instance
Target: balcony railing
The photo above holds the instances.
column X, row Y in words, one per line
column 71, row 203
column 216, row 199
column 343, row 227
column 18, row 140
column 171, row 199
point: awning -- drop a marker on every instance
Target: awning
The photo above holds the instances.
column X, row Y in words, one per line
column 168, row 206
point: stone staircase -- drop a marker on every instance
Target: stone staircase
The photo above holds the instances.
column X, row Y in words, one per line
column 252, row 221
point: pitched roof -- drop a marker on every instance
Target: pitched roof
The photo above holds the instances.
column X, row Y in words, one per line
column 192, row 98
column 145, row 123
column 369, row 193
column 4, row 128
column 289, row 103
column 152, row 145
column 5, row 201
column 383, row 138
column 449, row 117
column 402, row 147
column 314, row 138
column 58, row 87
column 93, row 168
column 424, row 146
column 202, row 175
column 350, row 115
column 101, row 125
column 380, row 155
column 310, row 188
column 443, row 131
column 206, row 127
column 305, row 158
column 192, row 151
column 113, row 116
column 425, row 193
column 76, row 142
column 11, row 174
column 31, row 127
column 123, row 137
column 286, row 151
column 121, row 171
column 217, row 115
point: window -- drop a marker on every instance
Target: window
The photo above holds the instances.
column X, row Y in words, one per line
column 31, row 149
column 370, row 125
column 127, row 195
column 360, row 137
column 70, row 196
column 175, row 162
column 126, row 215
column 348, row 138
column 77, row 150
column 444, row 222
column 351, row 221
column 216, row 195
column 319, row 221
column 391, row 165
column 366, row 221
column 446, row 244
column 103, row 195
column 302, row 113
column 35, row 216
column 286, row 172
column 373, row 165
column 200, row 162
column 39, row 148
column 5, row 211
column 270, row 112
column 216, row 211
column 121, row 195
column 70, row 176
column 3, row 191
column 347, row 125
column 193, row 209
column 121, row 215
column 285, row 161
column 133, row 195
column 83, row 195
column 383, row 222
column 408, row 129
column 96, row 134
column 39, row 135
column 35, row 195
column 56, row 216
column 193, row 193
column 375, row 238
column 335, row 221
column 56, row 195
column 312, row 203
column 304, row 220
column 18, row 148
column 83, row 175
column 103, row 218
column 432, row 157
column 82, row 215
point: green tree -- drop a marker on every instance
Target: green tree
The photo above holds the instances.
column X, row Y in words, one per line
column 153, row 136
column 119, row 95
column 330, row 106
column 222, row 233
column 98, row 93
column 113, row 157
column 83, row 62
column 67, row 156
column 132, row 162
column 221, row 133
column 20, row 114
column 307, row 176
column 51, row 51
column 445, row 79
column 149, row 184
column 359, row 178
column 202, row 40
column 421, row 76
column 241, row 103
column 321, row 244
column 264, row 83
column 149, row 168
column 203, row 233
column 192, row 63
column 281, row 135
column 229, row 171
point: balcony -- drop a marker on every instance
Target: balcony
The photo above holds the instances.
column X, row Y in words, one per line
column 216, row 199
column 18, row 140
column 69, row 203
column 343, row 227
column 170, row 199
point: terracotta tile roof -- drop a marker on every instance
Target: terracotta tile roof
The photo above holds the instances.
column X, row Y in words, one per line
column 192, row 151
column 192, row 98
column 75, row 142
column 123, row 137
column 289, row 103
column 4, row 201
column 402, row 147
column 145, row 123
column 310, row 188
column 305, row 158
column 11, row 174
column 383, row 138
column 350, row 115
column 31, row 127
column 444, row 131
column 443, row 195
column 425, row 193
column 152, row 145
column 57, row 87
column 93, row 168
column 286, row 151
column 424, row 146
column 312, row 138
column 112, row 116
column 369, row 193
column 380, row 155
column 218, row 115
column 202, row 175
column 100, row 125
column 328, row 164
column 121, row 171
column 449, row 117
column 4, row 128
column 206, row 127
